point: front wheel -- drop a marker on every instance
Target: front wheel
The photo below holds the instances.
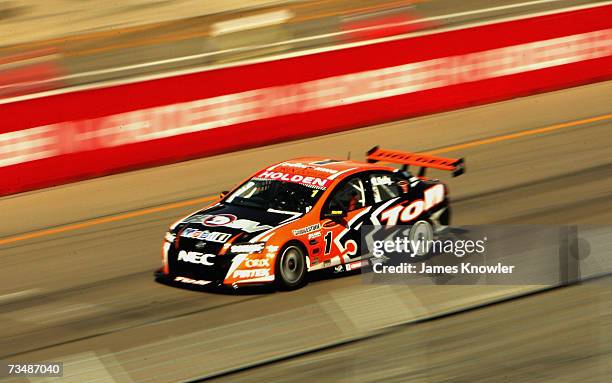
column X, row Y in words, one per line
column 290, row 267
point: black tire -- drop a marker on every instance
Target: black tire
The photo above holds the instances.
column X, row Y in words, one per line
column 290, row 269
column 445, row 218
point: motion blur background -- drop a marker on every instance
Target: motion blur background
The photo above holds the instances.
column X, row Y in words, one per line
column 61, row 43
column 77, row 259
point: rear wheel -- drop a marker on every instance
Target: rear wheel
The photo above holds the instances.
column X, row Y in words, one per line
column 290, row 267
column 421, row 233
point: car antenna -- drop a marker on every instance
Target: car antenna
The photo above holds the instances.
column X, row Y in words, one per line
column 348, row 156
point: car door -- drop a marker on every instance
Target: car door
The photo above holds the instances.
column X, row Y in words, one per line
column 340, row 234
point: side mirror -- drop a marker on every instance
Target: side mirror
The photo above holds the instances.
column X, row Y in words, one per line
column 223, row 193
column 335, row 214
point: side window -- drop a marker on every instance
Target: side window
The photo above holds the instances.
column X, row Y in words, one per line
column 348, row 196
column 385, row 186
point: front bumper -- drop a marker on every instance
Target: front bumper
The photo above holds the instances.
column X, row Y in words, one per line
column 204, row 285
column 191, row 266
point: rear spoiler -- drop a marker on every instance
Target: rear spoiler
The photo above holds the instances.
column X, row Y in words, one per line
column 455, row 165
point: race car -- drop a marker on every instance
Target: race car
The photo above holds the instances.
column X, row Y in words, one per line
column 303, row 215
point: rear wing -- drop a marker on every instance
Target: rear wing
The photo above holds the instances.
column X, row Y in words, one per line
column 455, row 165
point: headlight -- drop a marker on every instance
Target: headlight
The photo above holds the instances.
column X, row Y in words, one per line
column 249, row 248
column 169, row 237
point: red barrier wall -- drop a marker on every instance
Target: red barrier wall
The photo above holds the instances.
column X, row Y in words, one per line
column 65, row 137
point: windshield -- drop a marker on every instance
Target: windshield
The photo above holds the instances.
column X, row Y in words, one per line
column 276, row 195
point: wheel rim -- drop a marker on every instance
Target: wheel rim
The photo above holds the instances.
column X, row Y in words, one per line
column 292, row 265
column 421, row 231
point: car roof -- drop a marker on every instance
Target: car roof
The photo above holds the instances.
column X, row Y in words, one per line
column 325, row 166
column 331, row 163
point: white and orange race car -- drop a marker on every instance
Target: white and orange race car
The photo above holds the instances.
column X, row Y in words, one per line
column 303, row 215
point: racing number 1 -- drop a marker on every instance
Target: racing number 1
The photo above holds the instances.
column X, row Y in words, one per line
column 328, row 242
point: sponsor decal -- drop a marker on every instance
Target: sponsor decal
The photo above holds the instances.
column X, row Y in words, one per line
column 230, row 220
column 314, row 235
column 356, row 265
column 381, row 181
column 205, row 235
column 195, row 257
column 307, row 229
column 300, row 165
column 305, row 172
column 253, row 273
column 218, row 219
column 250, row 263
column 247, row 248
column 405, row 213
column 338, row 269
column 198, row 282
column 315, row 182
column 272, row 249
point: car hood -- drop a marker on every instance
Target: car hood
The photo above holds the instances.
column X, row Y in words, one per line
column 223, row 221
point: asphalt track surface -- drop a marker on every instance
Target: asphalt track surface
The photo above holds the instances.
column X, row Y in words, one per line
column 77, row 264
column 562, row 335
